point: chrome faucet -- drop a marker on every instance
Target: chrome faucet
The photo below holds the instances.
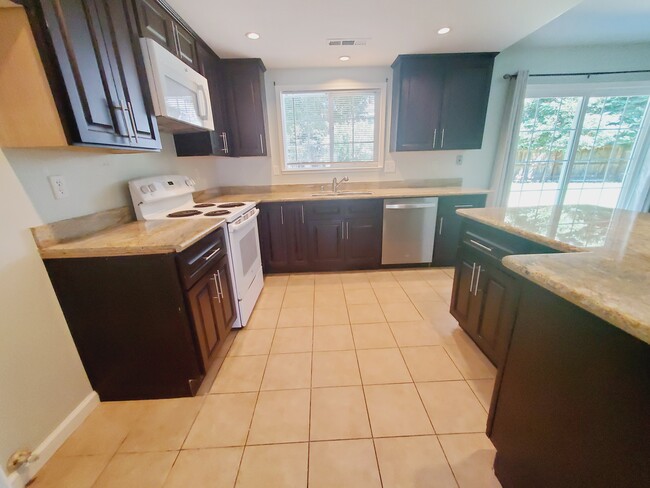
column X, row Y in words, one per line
column 336, row 184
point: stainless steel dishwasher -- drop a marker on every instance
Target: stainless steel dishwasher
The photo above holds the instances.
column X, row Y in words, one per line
column 409, row 230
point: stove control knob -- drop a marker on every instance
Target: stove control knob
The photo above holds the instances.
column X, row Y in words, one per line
column 144, row 189
column 152, row 188
column 189, row 182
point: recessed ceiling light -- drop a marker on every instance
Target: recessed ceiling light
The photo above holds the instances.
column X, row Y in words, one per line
column 444, row 30
column 344, row 58
column 252, row 35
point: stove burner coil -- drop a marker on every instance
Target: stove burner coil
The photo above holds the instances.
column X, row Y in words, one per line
column 231, row 205
column 204, row 205
column 184, row 213
column 216, row 213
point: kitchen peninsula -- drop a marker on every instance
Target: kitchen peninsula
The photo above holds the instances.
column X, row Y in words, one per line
column 571, row 396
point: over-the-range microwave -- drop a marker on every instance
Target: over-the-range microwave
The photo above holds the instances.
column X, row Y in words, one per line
column 180, row 95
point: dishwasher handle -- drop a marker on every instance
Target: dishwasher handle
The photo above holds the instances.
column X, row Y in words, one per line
column 402, row 206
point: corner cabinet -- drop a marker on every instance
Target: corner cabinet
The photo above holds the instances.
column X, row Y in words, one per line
column 94, row 66
column 238, row 97
column 321, row 236
column 440, row 101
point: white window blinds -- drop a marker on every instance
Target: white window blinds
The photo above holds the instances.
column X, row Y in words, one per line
column 327, row 129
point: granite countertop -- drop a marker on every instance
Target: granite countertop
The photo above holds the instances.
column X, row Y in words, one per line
column 300, row 195
column 138, row 237
column 605, row 267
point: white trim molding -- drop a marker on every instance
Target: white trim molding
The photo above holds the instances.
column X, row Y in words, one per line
column 52, row 442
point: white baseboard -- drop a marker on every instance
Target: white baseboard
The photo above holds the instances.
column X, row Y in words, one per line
column 52, row 442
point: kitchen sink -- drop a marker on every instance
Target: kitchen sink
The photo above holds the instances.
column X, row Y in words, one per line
column 340, row 193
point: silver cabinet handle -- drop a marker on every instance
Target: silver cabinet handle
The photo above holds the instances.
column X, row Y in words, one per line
column 478, row 277
column 216, row 283
column 207, row 258
column 471, row 283
column 261, row 144
column 435, row 133
column 220, row 284
column 302, row 213
column 442, row 139
column 442, row 220
column 224, row 137
column 464, row 205
column 132, row 117
column 122, row 107
column 347, row 230
column 282, row 214
column 482, row 246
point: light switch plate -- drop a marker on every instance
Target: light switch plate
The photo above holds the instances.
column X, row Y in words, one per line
column 276, row 171
column 389, row 166
column 459, row 160
column 59, row 187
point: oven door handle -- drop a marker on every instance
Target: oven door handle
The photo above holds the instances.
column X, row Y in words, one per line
column 246, row 223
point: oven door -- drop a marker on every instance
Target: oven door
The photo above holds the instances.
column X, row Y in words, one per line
column 245, row 252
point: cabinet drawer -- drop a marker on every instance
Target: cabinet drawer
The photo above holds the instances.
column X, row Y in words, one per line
column 199, row 256
column 449, row 205
column 325, row 209
column 363, row 208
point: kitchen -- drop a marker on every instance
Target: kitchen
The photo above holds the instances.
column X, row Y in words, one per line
column 333, row 294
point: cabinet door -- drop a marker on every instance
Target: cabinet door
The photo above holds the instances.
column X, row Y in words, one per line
column 226, row 302
column 203, row 301
column 463, row 289
column 83, row 56
column 362, row 242
column 129, row 73
column 246, row 106
column 273, row 238
column 326, row 250
column 465, row 99
column 498, row 292
column 186, row 46
column 296, row 236
column 448, row 226
column 417, row 99
column 155, row 23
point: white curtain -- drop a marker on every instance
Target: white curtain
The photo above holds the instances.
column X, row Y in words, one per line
column 508, row 140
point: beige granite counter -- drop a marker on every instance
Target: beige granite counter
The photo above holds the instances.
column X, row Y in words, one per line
column 125, row 239
column 606, row 267
column 285, row 194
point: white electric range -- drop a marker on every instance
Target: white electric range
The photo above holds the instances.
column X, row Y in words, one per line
column 170, row 197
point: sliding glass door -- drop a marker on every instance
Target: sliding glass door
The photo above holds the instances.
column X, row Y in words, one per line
column 578, row 148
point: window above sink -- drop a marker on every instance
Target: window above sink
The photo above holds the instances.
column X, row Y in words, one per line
column 331, row 127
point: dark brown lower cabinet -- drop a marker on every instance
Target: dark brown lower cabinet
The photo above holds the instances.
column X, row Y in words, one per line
column 283, row 237
column 485, row 294
column 570, row 407
column 212, row 309
column 320, row 236
column 147, row 326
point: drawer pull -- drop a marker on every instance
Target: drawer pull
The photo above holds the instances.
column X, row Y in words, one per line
column 478, row 278
column 471, row 283
column 464, row 205
column 442, row 219
column 209, row 256
column 482, row 246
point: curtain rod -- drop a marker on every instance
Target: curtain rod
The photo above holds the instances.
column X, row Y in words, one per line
column 509, row 76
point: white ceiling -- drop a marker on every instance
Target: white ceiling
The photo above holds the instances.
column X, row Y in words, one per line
column 294, row 32
column 596, row 22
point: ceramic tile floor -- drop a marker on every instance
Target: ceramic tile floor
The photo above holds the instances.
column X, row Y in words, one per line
column 358, row 379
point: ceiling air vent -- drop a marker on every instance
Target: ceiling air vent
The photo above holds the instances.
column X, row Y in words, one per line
column 347, row 42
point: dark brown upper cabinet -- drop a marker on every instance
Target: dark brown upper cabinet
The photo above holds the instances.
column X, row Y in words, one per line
column 95, row 77
column 158, row 22
column 440, row 101
column 237, row 95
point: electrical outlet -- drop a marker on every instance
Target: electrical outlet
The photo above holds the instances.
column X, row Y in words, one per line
column 459, row 160
column 59, row 188
column 389, row 166
column 276, row 171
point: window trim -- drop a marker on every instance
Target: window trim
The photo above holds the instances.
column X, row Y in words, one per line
column 343, row 85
